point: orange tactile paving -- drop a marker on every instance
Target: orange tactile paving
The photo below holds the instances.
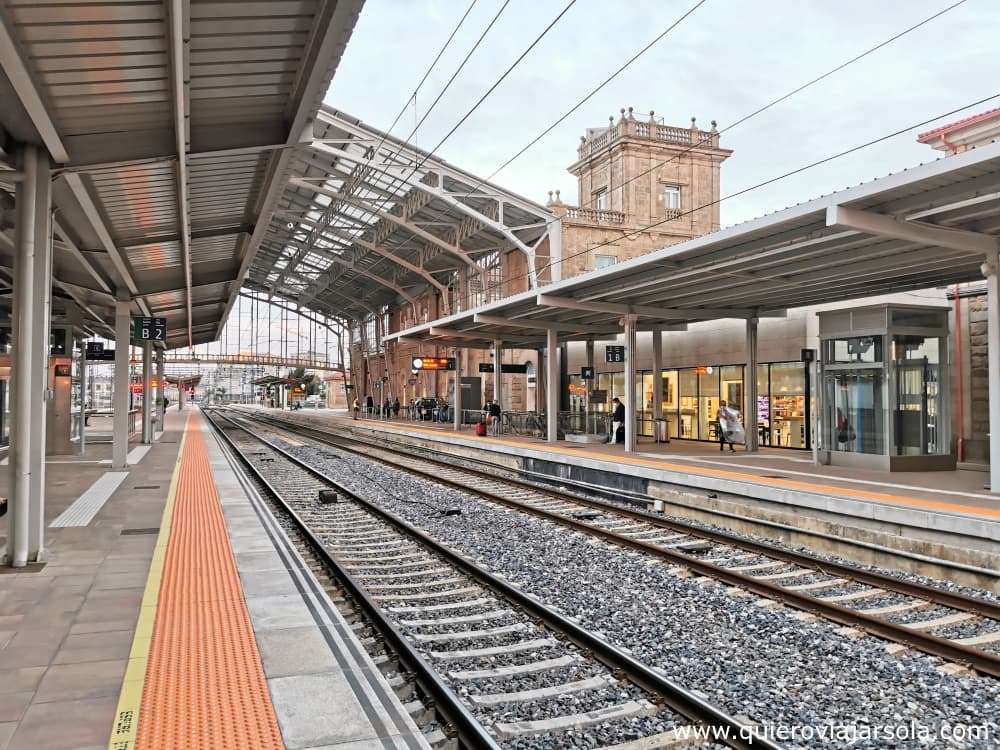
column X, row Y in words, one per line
column 204, row 685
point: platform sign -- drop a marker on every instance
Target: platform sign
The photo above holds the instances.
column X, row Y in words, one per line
column 94, row 349
column 613, row 353
column 486, row 367
column 598, row 397
column 149, row 329
column 433, row 363
column 411, row 381
column 514, row 369
column 586, row 373
column 807, row 355
column 104, row 355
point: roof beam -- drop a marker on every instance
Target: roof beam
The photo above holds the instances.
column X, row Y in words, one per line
column 82, row 195
column 179, row 42
column 661, row 313
column 544, row 325
column 451, row 333
column 883, row 225
column 443, row 196
column 27, row 91
column 80, row 257
column 434, row 239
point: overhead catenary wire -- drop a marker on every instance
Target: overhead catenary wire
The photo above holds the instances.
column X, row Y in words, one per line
column 776, row 178
column 750, row 115
column 491, row 89
column 596, row 89
column 784, row 97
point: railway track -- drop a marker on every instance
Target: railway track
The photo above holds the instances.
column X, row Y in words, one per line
column 961, row 629
column 502, row 668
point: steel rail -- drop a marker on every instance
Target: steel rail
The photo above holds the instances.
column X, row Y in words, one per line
column 981, row 661
column 470, row 731
column 685, row 702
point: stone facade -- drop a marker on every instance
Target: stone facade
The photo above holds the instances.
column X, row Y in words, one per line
column 641, row 186
column 970, row 381
column 633, row 160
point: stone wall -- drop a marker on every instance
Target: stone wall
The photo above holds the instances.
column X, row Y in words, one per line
column 977, row 399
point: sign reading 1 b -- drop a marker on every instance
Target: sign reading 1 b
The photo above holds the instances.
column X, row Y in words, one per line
column 614, row 354
column 149, row 329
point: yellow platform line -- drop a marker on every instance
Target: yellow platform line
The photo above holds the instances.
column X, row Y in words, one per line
column 126, row 724
column 743, row 476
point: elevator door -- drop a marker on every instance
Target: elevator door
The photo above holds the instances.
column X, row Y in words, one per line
column 916, row 418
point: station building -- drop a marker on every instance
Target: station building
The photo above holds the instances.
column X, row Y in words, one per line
column 645, row 185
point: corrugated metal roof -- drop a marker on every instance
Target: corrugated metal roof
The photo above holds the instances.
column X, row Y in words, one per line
column 807, row 254
column 365, row 219
column 108, row 86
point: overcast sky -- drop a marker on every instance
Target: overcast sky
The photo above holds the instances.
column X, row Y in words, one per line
column 725, row 60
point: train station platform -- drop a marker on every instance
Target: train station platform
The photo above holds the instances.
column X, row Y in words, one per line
column 173, row 612
column 941, row 515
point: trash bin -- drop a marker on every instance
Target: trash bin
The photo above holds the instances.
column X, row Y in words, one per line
column 660, row 431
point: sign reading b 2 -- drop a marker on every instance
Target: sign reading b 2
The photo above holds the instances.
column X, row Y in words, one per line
column 149, row 329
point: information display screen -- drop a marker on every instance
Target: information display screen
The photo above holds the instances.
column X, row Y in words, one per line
column 433, row 363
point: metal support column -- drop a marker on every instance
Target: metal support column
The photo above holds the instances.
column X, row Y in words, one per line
column 457, row 416
column 589, row 385
column 161, row 386
column 31, row 308
column 120, row 391
column 551, row 391
column 541, row 384
column 147, row 393
column 750, row 388
column 498, row 372
column 629, row 324
column 991, row 270
column 82, row 445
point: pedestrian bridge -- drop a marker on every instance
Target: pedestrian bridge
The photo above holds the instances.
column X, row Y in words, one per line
column 264, row 360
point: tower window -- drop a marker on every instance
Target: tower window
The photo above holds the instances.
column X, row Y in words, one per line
column 602, row 200
column 670, row 195
column 603, row 261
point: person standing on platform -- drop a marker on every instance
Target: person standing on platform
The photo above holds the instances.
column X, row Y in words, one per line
column 493, row 415
column 618, row 421
column 724, row 417
column 395, row 408
column 356, row 407
column 369, row 406
column 387, row 408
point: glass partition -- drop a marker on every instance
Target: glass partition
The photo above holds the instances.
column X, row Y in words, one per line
column 731, row 388
column 689, row 404
column 788, row 404
column 708, row 403
column 669, row 398
column 764, row 404
column 855, row 410
column 918, row 409
column 644, row 402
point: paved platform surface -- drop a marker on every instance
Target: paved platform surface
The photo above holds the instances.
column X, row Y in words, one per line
column 947, row 502
column 200, row 627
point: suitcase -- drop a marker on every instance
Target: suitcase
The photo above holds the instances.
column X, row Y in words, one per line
column 481, row 429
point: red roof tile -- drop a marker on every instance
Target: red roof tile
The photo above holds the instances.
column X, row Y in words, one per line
column 971, row 120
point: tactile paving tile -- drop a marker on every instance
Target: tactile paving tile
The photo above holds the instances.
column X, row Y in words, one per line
column 205, row 685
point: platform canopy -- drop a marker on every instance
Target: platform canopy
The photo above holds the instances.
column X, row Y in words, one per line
column 172, row 128
column 929, row 226
column 364, row 219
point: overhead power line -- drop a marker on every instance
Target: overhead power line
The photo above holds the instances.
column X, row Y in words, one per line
column 776, row 178
column 784, row 97
column 597, row 88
